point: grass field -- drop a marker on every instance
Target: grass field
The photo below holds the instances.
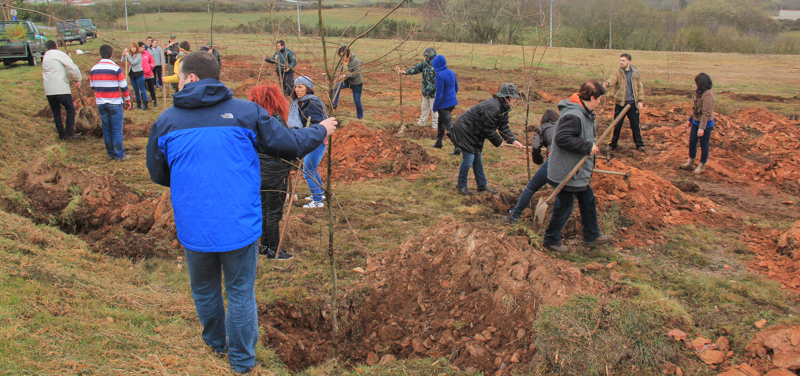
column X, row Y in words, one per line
column 67, row 310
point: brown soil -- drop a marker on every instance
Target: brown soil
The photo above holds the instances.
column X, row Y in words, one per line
column 775, row 348
column 463, row 291
column 108, row 214
column 363, row 153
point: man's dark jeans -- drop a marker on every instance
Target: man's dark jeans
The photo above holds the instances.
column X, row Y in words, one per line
column 288, row 82
column 562, row 211
column 537, row 182
column 633, row 119
column 56, row 101
column 445, row 121
column 274, row 176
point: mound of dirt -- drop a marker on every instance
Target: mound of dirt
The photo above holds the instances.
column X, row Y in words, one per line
column 789, row 243
column 415, row 131
column 463, row 291
column 361, row 153
column 101, row 210
column 777, row 347
column 647, row 201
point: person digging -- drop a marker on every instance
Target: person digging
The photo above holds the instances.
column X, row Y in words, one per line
column 575, row 138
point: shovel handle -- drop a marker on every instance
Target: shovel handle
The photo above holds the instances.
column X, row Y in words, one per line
column 625, row 174
column 575, row 169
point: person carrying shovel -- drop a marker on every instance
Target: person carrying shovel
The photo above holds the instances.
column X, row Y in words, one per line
column 575, row 138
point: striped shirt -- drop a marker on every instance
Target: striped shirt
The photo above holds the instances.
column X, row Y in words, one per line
column 109, row 84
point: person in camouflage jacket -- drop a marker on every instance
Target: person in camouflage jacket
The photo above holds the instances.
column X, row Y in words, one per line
column 428, row 87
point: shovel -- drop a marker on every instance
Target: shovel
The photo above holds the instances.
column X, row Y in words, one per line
column 541, row 207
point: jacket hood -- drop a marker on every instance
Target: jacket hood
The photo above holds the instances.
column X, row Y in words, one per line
column 573, row 102
column 439, row 63
column 633, row 69
column 430, row 53
column 203, row 93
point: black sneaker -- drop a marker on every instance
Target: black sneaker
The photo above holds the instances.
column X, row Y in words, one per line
column 437, row 144
column 271, row 254
column 485, row 188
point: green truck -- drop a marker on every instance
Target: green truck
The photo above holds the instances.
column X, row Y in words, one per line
column 89, row 26
column 21, row 41
column 70, row 31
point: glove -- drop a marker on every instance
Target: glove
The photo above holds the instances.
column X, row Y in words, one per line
column 536, row 156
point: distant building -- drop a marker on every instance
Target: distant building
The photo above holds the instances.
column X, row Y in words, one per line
column 788, row 15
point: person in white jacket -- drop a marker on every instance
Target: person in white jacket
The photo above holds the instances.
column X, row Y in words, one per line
column 57, row 68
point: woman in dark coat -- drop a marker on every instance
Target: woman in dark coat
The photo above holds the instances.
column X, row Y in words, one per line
column 486, row 120
column 274, row 173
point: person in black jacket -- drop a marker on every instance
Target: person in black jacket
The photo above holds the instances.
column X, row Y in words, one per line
column 575, row 138
column 542, row 138
column 486, row 120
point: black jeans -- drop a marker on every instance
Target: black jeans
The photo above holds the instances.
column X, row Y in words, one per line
column 288, row 82
column 562, row 209
column 445, row 122
column 56, row 101
column 633, row 119
column 274, row 178
column 157, row 72
column 151, row 87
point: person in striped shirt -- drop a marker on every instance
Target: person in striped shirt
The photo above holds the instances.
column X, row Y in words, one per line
column 110, row 89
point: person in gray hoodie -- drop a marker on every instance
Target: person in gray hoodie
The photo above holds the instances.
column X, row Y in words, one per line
column 575, row 137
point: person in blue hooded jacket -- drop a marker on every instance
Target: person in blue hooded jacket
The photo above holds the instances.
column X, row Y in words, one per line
column 205, row 148
column 445, row 100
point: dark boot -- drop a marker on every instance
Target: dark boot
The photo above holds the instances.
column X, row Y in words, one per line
column 438, row 143
column 145, row 105
column 486, row 188
column 464, row 191
column 456, row 151
column 155, row 104
column 138, row 103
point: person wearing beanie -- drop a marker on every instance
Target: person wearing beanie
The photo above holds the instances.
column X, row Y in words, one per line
column 306, row 109
column 485, row 120
column 428, row 87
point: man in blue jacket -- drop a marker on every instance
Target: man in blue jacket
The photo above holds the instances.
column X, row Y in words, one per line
column 205, row 149
column 445, row 100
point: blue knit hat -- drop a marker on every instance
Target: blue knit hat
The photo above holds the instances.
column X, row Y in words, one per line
column 304, row 80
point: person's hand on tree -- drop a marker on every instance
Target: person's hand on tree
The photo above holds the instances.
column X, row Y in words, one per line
column 329, row 124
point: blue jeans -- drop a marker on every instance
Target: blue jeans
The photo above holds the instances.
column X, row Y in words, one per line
column 238, row 330
column 111, row 119
column 476, row 162
column 562, row 211
column 704, row 141
column 310, row 173
column 356, row 97
column 537, row 182
column 139, row 89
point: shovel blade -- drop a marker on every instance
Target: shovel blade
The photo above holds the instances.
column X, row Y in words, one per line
column 539, row 215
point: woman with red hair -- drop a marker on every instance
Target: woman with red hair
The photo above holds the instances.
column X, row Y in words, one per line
column 274, row 174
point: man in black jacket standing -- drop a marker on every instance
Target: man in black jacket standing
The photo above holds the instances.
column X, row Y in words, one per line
column 284, row 61
column 574, row 139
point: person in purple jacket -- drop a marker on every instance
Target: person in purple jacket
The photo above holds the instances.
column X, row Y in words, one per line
column 445, row 100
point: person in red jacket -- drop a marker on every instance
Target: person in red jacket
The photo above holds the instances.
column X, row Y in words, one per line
column 148, row 64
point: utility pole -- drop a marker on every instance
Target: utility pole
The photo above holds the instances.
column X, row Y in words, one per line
column 551, row 23
column 299, row 33
column 126, row 15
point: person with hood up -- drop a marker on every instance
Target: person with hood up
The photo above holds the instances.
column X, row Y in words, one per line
column 444, row 100
column 575, row 137
column 485, row 120
column 543, row 137
column 701, row 123
column 428, row 87
column 205, row 148
column 349, row 77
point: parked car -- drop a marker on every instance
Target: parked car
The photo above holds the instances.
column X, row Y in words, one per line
column 27, row 46
column 89, row 26
column 69, row 31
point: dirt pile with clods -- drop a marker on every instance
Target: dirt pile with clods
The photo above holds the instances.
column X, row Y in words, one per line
column 100, row 210
column 647, row 202
column 458, row 290
column 361, row 153
column 777, row 254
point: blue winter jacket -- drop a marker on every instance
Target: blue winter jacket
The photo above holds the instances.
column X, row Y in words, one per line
column 446, row 85
column 204, row 149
